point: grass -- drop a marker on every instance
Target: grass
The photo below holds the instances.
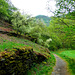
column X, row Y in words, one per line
column 8, row 45
column 61, row 50
column 69, row 56
column 44, row 68
column 8, row 42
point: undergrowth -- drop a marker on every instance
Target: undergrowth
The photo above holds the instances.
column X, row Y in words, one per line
column 8, row 44
column 44, row 68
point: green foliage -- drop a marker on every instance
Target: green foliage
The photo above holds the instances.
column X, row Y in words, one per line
column 71, row 15
column 17, row 61
column 61, row 29
column 12, row 42
column 53, row 43
column 19, row 21
column 37, row 29
column 64, row 29
column 70, row 53
column 44, row 68
column 3, row 8
column 7, row 44
column 64, row 6
column 6, row 9
column 34, row 28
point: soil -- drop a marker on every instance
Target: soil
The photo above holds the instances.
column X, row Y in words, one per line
column 61, row 67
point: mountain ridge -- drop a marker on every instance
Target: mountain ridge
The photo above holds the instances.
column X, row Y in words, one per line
column 46, row 19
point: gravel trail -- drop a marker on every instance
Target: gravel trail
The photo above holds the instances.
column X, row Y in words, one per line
column 60, row 67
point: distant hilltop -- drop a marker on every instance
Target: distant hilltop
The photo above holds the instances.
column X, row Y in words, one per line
column 46, row 19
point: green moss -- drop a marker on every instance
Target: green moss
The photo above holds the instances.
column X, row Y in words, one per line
column 18, row 60
column 44, row 68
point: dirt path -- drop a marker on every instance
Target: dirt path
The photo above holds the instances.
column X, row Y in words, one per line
column 60, row 67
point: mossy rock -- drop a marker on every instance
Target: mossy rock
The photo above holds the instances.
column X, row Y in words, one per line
column 19, row 60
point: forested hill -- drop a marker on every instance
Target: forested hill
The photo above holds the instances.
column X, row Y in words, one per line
column 45, row 18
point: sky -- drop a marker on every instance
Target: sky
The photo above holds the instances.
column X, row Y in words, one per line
column 34, row 7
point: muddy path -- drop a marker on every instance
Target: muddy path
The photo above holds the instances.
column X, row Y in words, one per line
column 61, row 67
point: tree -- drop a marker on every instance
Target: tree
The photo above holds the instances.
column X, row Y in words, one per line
column 65, row 33
column 65, row 6
column 18, row 21
column 62, row 24
column 6, row 9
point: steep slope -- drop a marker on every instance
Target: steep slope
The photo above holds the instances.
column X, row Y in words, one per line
column 9, row 41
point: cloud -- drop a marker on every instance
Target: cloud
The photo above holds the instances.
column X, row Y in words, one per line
column 34, row 7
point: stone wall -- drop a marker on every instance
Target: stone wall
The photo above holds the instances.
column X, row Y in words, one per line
column 18, row 60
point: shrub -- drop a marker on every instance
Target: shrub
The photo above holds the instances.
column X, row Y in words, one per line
column 18, row 60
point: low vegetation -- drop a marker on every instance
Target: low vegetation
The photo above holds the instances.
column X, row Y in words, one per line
column 17, row 61
column 44, row 68
column 8, row 44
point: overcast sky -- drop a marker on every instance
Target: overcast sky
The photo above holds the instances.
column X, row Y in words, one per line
column 34, row 7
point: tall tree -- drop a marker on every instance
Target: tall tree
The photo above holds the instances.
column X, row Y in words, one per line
column 65, row 6
column 18, row 21
column 6, row 9
column 63, row 23
column 62, row 7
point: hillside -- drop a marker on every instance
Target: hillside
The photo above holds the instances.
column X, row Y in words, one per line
column 45, row 18
column 38, row 45
column 10, row 43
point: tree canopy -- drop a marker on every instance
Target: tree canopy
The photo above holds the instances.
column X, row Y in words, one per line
column 6, row 9
column 59, row 34
column 62, row 25
column 65, row 6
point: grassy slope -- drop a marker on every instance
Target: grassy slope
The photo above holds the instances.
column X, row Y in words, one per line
column 69, row 56
column 44, row 68
column 9, row 42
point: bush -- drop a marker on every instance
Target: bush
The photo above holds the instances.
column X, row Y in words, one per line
column 18, row 60
column 53, row 43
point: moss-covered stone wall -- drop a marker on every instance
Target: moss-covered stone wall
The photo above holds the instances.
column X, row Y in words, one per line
column 18, row 60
